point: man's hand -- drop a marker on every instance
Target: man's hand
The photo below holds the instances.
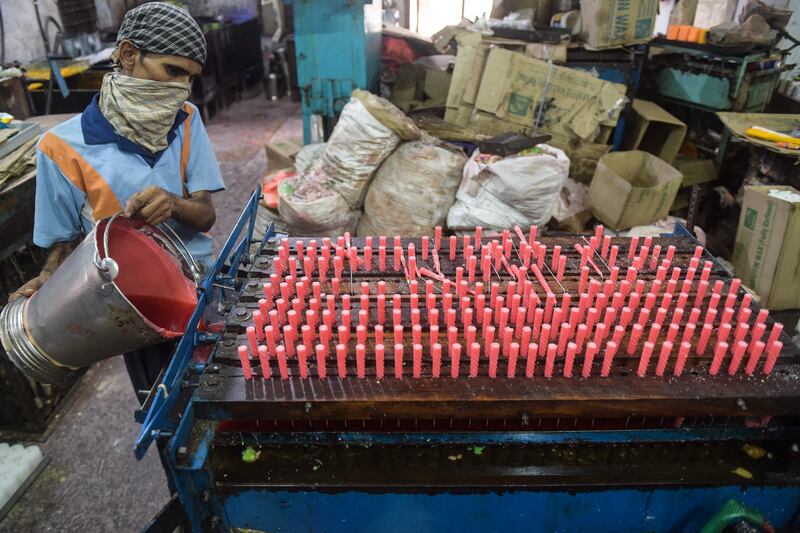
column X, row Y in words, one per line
column 58, row 254
column 31, row 287
column 154, row 205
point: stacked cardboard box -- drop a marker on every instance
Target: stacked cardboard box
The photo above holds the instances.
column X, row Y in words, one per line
column 498, row 88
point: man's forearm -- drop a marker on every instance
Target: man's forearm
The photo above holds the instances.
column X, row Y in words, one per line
column 58, row 254
column 196, row 212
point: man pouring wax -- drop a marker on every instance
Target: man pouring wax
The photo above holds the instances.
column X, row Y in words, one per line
column 139, row 148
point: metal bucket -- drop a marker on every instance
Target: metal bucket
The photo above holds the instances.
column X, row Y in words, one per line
column 85, row 313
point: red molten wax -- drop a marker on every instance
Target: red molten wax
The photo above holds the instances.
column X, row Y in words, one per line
column 150, row 277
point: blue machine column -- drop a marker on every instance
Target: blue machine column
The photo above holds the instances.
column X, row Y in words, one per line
column 338, row 46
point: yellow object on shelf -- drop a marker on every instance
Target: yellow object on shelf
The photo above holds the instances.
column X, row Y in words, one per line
column 40, row 71
column 770, row 135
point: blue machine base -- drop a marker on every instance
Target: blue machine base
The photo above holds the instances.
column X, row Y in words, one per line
column 681, row 509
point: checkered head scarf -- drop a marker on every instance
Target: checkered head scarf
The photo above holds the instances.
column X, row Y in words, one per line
column 163, row 28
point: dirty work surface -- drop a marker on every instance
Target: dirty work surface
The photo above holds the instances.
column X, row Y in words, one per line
column 93, row 481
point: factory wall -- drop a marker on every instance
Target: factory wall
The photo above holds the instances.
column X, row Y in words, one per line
column 22, row 40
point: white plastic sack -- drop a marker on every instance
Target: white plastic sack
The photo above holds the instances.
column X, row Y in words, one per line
column 362, row 139
column 308, row 156
column 502, row 193
column 311, row 208
column 412, row 191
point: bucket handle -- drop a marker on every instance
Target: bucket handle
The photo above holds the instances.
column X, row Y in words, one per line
column 180, row 246
column 109, row 269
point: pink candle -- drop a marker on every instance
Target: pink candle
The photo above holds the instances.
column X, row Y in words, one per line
column 530, row 363
column 612, row 258
column 433, row 316
column 655, row 330
column 683, row 353
column 619, row 332
column 433, row 333
column 636, row 334
column 588, row 359
column 758, row 332
column 761, row 318
column 608, row 358
column 436, row 359
column 397, row 317
column 610, row 316
column 756, row 350
column 307, row 334
column 283, row 369
column 397, row 254
column 630, row 276
column 584, row 279
column 544, row 338
column 244, row 358
column 415, row 316
column 378, row 334
column 723, row 332
column 341, row 360
column 513, row 354
column 271, row 333
column 486, row 321
column 644, row 360
column 416, row 334
column 711, row 316
column 416, row 354
column 774, row 334
column 550, row 360
column 562, row 264
column 644, row 316
column 382, row 258
column 741, row 332
column 661, row 315
column 344, row 334
column 775, row 348
column 663, row 358
column 705, row 335
column 379, row 360
column 381, row 308
column 719, row 355
column 453, row 247
column 252, row 339
column 450, row 319
column 592, row 317
column 556, row 257
column 738, row 353
column 688, row 333
column 672, row 332
column 494, row 353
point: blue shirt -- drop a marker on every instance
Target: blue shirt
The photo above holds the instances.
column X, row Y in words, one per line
column 86, row 171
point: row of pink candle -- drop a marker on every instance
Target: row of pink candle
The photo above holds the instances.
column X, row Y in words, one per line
column 495, row 251
column 512, row 359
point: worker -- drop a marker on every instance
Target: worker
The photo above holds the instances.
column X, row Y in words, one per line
column 139, row 148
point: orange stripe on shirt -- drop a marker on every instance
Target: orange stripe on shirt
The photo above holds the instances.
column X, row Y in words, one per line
column 186, row 147
column 83, row 175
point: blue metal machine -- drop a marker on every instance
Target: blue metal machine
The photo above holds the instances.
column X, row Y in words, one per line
column 338, row 50
column 620, row 454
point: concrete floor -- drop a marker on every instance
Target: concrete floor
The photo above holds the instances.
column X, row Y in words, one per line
column 93, row 482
